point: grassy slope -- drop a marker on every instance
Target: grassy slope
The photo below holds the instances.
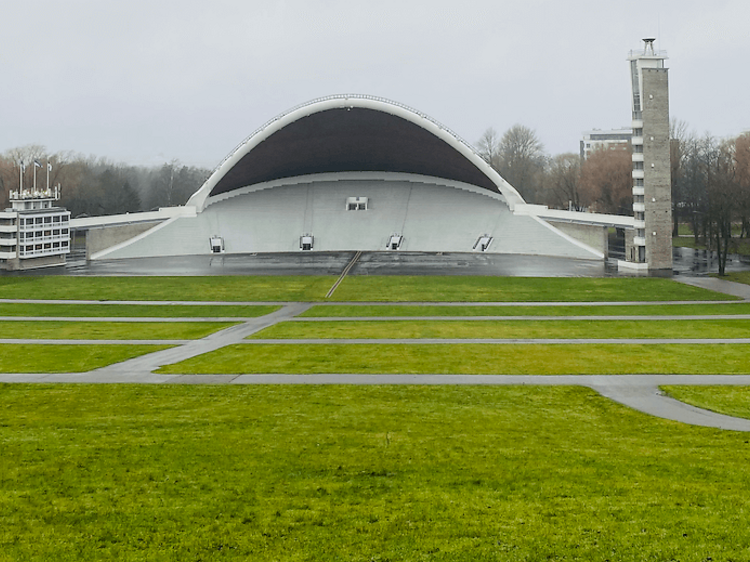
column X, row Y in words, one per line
column 219, row 288
column 102, row 310
column 739, row 277
column 517, row 289
column 347, row 310
column 361, row 473
column 62, row 330
column 508, row 329
column 40, row 358
column 532, row 359
column 729, row 400
column 397, row 288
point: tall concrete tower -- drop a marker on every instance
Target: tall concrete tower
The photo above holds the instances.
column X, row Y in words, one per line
column 652, row 184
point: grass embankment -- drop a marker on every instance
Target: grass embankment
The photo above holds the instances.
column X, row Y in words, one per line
column 364, row 310
column 219, row 288
column 41, row 358
column 739, row 277
column 390, row 288
column 518, row 289
column 508, row 329
column 476, row 359
column 361, row 473
column 729, row 400
column 65, row 330
column 103, row 310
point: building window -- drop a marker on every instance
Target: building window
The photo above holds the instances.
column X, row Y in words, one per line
column 638, row 148
column 637, row 132
column 637, row 165
column 356, row 203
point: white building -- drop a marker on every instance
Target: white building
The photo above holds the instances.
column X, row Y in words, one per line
column 353, row 172
column 34, row 232
column 597, row 139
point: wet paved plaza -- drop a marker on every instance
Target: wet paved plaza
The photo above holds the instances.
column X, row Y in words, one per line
column 687, row 262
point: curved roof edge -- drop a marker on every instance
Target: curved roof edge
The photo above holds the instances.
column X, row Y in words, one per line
column 199, row 198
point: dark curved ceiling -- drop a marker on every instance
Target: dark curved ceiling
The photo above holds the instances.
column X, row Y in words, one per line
column 351, row 140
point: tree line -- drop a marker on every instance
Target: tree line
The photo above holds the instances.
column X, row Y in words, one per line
column 601, row 183
column 710, row 180
column 95, row 186
column 711, row 189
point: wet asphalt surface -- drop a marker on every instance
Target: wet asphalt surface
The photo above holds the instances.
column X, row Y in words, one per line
column 687, row 262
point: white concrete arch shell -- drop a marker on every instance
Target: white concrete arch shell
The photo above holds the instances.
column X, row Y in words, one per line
column 350, row 173
column 202, row 197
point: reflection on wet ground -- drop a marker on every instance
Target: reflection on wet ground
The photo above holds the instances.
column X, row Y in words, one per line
column 686, row 262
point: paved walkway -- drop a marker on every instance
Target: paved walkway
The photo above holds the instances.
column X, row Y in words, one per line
column 719, row 285
column 640, row 392
column 443, row 341
column 235, row 334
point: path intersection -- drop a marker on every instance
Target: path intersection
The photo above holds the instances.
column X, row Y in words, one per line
column 640, row 392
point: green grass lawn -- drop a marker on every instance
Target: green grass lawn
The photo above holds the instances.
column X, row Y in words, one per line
column 351, row 473
column 64, row 330
column 218, row 288
column 479, row 359
column 517, row 289
column 103, row 310
column 729, row 400
column 739, row 277
column 376, row 288
column 364, row 310
column 41, row 358
column 507, row 329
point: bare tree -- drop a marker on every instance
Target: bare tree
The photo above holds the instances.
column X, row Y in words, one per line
column 488, row 148
column 742, row 171
column 606, row 180
column 679, row 139
column 522, row 161
column 562, row 182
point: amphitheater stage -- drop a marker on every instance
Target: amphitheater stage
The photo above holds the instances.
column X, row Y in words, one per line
column 333, row 263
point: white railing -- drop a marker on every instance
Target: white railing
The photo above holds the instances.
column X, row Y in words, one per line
column 43, row 252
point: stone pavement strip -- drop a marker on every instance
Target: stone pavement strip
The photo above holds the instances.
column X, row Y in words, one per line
column 640, row 392
column 719, row 285
column 234, row 334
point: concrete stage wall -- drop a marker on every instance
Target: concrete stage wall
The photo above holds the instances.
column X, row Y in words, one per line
column 430, row 216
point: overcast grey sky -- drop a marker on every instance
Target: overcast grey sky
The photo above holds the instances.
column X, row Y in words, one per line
column 144, row 82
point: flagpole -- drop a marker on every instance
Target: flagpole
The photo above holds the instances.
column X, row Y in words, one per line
column 20, row 179
column 48, row 169
column 34, row 176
